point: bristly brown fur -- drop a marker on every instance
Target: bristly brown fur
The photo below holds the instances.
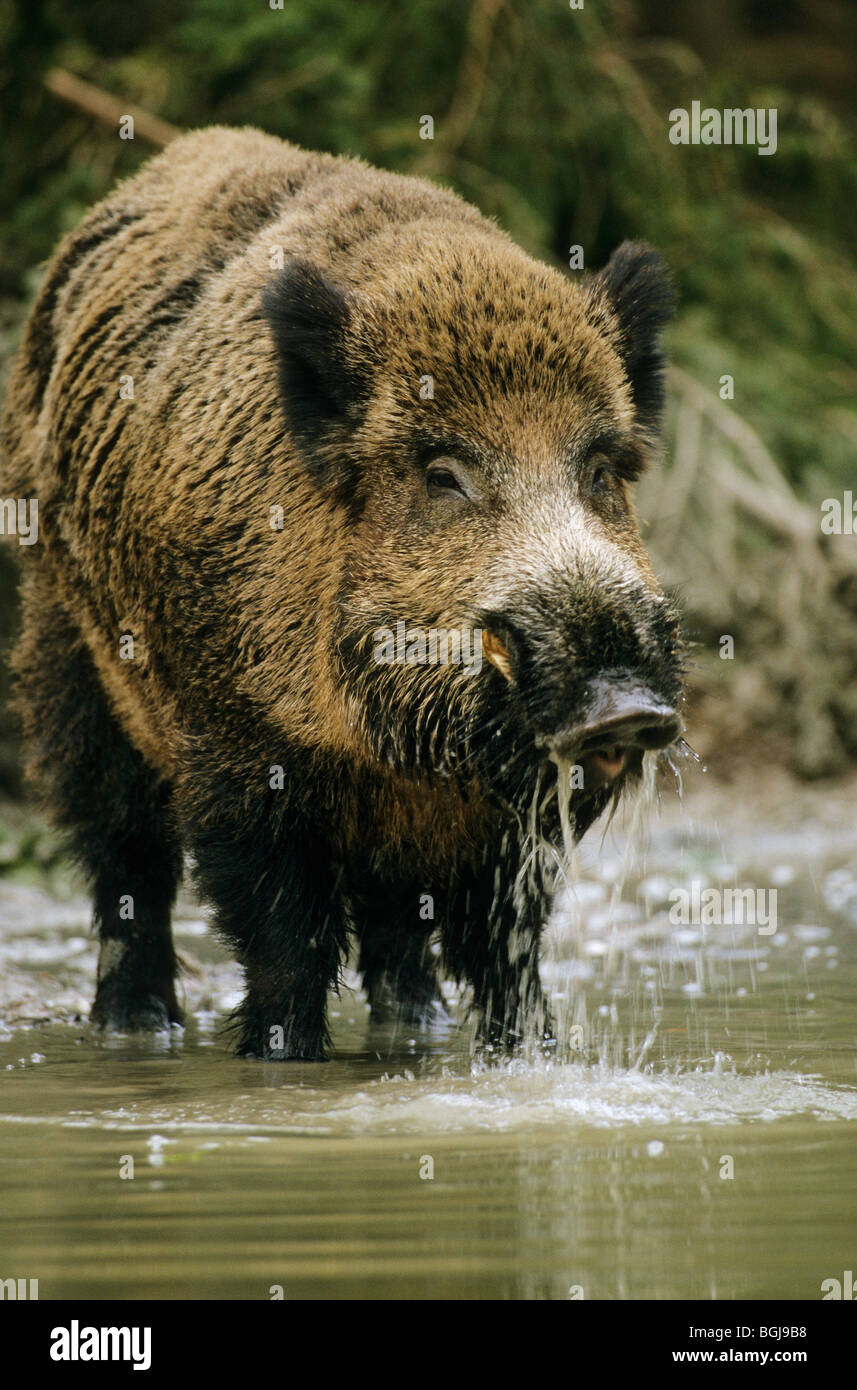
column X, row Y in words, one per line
column 302, row 388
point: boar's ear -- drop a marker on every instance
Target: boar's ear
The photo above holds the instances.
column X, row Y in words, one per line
column 640, row 289
column 320, row 384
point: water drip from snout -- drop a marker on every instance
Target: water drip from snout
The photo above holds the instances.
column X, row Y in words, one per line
column 636, row 844
column 642, row 796
column 549, row 868
column 558, row 867
column 542, row 861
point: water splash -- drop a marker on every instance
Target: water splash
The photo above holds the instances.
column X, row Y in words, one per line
column 513, row 1097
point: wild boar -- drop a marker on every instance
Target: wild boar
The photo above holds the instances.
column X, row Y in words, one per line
column 287, row 416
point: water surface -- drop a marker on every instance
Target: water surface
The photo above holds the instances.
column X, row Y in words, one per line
column 697, row 1142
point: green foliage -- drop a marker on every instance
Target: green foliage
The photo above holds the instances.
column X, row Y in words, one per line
column 552, row 120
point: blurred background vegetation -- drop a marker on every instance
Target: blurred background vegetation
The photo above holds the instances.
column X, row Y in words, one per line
column 555, row 121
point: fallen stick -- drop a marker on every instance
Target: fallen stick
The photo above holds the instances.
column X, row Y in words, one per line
column 107, row 108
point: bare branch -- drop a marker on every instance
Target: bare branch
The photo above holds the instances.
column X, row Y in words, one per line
column 107, row 108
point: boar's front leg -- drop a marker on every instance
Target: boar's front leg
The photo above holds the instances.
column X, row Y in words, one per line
column 394, row 923
column 491, row 940
column 278, row 906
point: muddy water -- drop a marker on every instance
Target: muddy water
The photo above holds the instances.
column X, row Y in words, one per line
column 695, row 1137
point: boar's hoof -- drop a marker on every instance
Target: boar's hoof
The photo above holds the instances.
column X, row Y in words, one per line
column 501, row 1038
column 256, row 1045
column 422, row 1015
column 256, row 1053
column 144, row 1013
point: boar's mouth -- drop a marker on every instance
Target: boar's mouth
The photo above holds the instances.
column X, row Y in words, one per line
column 587, row 727
column 559, row 809
column 560, row 783
column 496, row 734
column 625, row 720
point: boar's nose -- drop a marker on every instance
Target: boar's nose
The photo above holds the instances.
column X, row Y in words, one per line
column 622, row 716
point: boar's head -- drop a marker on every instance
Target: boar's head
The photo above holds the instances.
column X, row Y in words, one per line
column 482, row 419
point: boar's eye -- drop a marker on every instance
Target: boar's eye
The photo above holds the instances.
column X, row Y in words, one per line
column 600, row 477
column 610, row 459
column 442, row 482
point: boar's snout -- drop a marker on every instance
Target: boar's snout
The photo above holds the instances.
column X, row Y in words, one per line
column 624, row 718
column 598, row 685
column 624, row 713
